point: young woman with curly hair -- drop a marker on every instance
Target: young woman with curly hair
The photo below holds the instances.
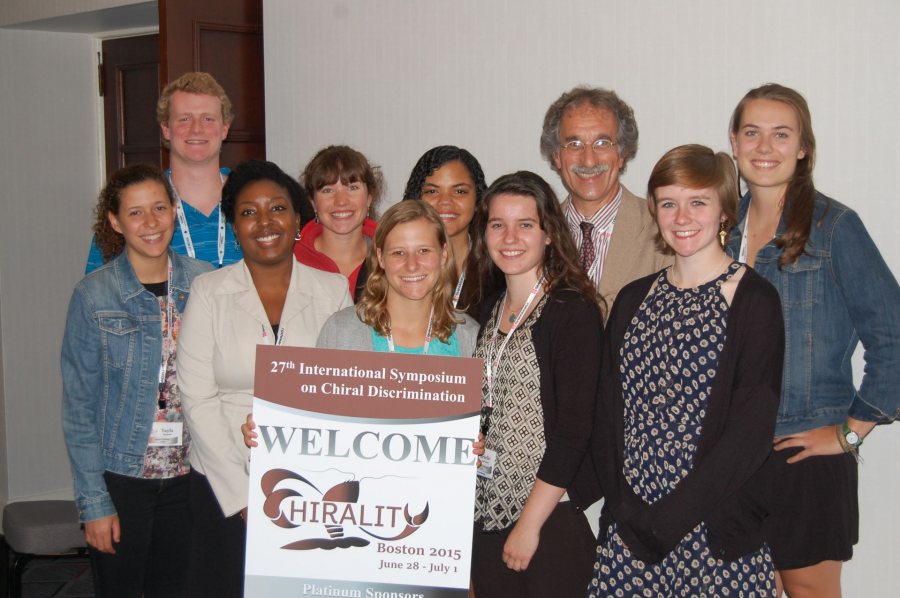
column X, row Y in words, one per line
column 122, row 413
column 451, row 181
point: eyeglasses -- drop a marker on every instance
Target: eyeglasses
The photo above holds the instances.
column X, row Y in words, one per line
column 577, row 146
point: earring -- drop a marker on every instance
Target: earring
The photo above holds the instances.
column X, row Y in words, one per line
column 297, row 235
column 722, row 234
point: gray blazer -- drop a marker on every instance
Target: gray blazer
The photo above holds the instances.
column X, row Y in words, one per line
column 344, row 330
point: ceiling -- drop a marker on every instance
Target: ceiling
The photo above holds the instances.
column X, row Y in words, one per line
column 142, row 15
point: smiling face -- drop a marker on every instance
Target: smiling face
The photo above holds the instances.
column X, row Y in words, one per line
column 265, row 223
column 450, row 190
column 412, row 258
column 341, row 208
column 689, row 219
column 195, row 129
column 591, row 177
column 767, row 144
column 146, row 219
column 514, row 238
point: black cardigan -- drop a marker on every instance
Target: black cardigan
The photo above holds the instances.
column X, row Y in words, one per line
column 730, row 487
column 567, row 342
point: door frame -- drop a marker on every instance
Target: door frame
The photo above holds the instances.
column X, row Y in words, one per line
column 100, row 132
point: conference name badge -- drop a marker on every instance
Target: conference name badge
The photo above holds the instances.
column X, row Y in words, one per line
column 166, row 434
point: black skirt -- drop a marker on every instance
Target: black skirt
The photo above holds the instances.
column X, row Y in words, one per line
column 817, row 518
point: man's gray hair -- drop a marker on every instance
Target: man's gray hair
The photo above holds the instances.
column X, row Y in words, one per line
column 627, row 140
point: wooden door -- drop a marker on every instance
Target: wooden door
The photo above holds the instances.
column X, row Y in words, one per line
column 130, row 82
column 223, row 38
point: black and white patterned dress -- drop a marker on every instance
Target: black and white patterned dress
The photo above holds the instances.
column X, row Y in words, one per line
column 517, row 425
column 667, row 363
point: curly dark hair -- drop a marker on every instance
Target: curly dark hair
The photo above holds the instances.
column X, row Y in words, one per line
column 109, row 242
column 562, row 269
column 251, row 171
column 437, row 157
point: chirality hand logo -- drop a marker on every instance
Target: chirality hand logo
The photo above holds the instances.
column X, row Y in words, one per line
column 293, row 501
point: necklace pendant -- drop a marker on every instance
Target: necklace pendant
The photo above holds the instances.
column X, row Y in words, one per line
column 512, row 317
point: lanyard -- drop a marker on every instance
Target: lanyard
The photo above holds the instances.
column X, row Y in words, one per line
column 493, row 361
column 458, row 291
column 183, row 224
column 167, row 341
column 742, row 255
column 462, row 279
column 390, row 337
column 278, row 339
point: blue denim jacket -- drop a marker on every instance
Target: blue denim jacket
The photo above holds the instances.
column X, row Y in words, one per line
column 839, row 292
column 110, row 367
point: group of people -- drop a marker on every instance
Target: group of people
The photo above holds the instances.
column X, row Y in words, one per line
column 685, row 357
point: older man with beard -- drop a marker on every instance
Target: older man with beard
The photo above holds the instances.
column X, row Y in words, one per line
column 589, row 136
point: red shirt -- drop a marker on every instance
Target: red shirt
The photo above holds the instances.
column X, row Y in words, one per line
column 306, row 253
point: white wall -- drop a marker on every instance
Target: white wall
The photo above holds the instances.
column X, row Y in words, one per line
column 48, row 186
column 395, row 77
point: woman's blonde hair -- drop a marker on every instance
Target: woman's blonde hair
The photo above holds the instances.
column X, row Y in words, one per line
column 372, row 307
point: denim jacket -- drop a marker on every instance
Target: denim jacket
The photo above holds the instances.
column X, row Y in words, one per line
column 839, row 292
column 110, row 370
